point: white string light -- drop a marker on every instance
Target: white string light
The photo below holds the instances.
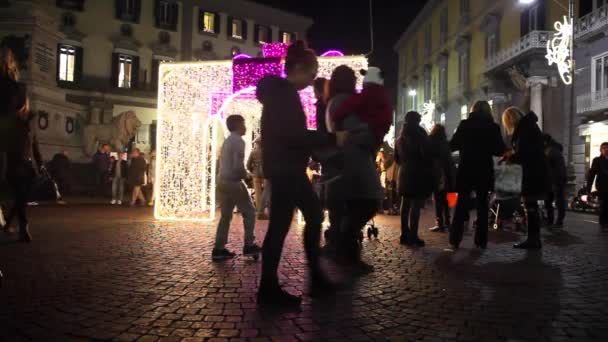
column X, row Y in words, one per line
column 558, row 50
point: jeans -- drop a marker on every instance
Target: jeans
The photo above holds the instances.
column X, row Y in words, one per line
column 410, row 218
column 137, row 194
column 118, row 188
column 558, row 195
column 442, row 210
column 462, row 208
column 533, row 216
column 234, row 194
column 261, row 194
column 291, row 191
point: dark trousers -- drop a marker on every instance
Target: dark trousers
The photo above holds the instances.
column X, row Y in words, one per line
column 336, row 207
column 442, row 210
column 533, row 216
column 558, row 195
column 20, row 180
column 410, row 218
column 358, row 213
column 288, row 193
column 462, row 209
column 604, row 209
column 101, row 184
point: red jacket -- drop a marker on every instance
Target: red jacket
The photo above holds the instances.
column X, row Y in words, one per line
column 372, row 106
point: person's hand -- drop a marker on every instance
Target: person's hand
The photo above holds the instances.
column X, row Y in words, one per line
column 341, row 137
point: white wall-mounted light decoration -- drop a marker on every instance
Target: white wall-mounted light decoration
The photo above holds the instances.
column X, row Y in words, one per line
column 558, row 49
column 428, row 112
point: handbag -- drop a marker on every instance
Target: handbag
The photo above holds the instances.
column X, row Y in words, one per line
column 507, row 180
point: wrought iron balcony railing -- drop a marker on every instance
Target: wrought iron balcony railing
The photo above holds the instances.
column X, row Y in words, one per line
column 532, row 41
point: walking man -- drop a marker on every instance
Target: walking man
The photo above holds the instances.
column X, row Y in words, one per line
column 599, row 174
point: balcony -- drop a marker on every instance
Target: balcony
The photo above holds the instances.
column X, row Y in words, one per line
column 591, row 22
column 535, row 41
column 591, row 102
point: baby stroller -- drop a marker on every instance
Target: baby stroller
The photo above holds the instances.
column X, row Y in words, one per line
column 506, row 209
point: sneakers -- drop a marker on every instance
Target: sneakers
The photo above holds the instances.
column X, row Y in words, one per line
column 253, row 249
column 277, row 297
column 222, row 254
column 113, row 202
column 437, row 229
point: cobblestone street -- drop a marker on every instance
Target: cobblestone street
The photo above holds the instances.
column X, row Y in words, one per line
column 108, row 273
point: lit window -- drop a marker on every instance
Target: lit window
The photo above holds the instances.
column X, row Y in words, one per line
column 125, row 68
column 209, row 22
column 67, row 61
column 286, row 37
column 237, row 28
column 263, row 35
column 464, row 112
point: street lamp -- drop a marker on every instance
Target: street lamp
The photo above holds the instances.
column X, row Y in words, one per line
column 413, row 93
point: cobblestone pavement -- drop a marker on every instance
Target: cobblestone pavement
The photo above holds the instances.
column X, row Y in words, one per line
column 107, row 273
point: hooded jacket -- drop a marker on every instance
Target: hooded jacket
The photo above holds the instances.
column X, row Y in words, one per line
column 287, row 144
column 415, row 157
column 529, row 152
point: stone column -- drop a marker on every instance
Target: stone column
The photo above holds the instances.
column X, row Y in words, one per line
column 535, row 83
column 498, row 105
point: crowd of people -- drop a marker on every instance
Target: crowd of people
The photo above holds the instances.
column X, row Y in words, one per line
column 344, row 151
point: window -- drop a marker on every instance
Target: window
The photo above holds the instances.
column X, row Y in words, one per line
column 209, row 22
column 463, row 67
column 532, row 19
column 287, row 37
column 428, row 39
column 443, row 28
column 464, row 112
column 67, row 63
column 125, row 65
column 156, row 61
column 464, row 10
column 427, row 88
column 263, row 34
column 128, row 10
column 237, row 29
column 599, row 79
column 76, row 5
column 443, row 82
column 599, row 3
column 167, row 14
column 68, row 20
column 491, row 45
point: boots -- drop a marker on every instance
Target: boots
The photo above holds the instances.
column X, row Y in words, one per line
column 533, row 241
column 24, row 233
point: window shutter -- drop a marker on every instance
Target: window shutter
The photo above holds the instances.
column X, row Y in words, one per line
column 155, row 68
column 118, row 8
column 174, row 15
column 244, row 28
column 218, row 23
column 137, row 11
column 114, row 76
column 229, row 27
column 135, row 72
column 201, row 20
column 58, row 61
column 78, row 58
column 256, row 33
column 157, row 13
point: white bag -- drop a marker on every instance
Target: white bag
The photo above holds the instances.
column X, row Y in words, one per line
column 507, row 180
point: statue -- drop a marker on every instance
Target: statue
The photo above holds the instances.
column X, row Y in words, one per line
column 118, row 133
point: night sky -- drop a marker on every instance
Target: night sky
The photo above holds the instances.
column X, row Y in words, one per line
column 391, row 18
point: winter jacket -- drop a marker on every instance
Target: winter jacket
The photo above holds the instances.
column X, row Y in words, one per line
column 320, row 116
column 123, row 169
column 137, row 171
column 414, row 155
column 286, row 142
column 359, row 177
column 477, row 139
column 373, row 107
column 444, row 170
column 599, row 174
column 529, row 152
column 556, row 163
column 102, row 162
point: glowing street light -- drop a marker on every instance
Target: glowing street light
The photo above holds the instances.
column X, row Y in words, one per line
column 412, row 92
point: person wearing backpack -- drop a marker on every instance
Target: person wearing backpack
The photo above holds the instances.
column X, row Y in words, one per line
column 599, row 174
column 19, row 144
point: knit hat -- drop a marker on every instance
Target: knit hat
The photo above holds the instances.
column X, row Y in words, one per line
column 373, row 75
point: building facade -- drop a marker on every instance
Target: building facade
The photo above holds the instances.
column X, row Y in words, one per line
column 88, row 61
column 459, row 51
column 591, row 83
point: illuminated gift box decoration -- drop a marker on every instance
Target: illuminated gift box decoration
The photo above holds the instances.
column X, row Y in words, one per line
column 194, row 100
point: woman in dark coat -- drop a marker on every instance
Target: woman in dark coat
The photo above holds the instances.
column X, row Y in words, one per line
column 444, row 173
column 136, row 176
column 18, row 142
column 414, row 155
column 528, row 151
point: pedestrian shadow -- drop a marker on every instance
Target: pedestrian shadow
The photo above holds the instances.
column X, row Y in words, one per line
column 561, row 238
column 503, row 236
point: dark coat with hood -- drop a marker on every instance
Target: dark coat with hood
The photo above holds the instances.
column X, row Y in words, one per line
column 444, row 170
column 529, row 152
column 598, row 174
column 414, row 154
column 556, row 163
column 477, row 139
column 287, row 144
column 137, row 171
